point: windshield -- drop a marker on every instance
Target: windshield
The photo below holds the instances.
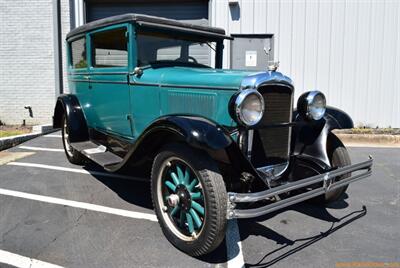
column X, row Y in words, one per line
column 159, row 48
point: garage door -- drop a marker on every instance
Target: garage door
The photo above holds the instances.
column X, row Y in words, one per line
column 194, row 11
column 191, row 11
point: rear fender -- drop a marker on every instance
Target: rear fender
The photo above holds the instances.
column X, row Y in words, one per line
column 69, row 106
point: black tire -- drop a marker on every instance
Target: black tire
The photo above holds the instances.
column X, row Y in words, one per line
column 214, row 198
column 73, row 155
column 338, row 157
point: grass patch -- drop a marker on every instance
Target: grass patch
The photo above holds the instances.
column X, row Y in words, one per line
column 384, row 131
column 8, row 133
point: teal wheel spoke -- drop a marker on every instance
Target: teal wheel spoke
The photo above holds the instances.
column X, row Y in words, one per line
column 182, row 217
column 199, row 208
column 186, row 177
column 180, row 174
column 175, row 210
column 196, row 196
column 175, row 178
column 196, row 219
column 170, row 185
column 192, row 184
column 189, row 220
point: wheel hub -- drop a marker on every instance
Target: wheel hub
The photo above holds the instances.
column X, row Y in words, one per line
column 184, row 197
column 173, row 200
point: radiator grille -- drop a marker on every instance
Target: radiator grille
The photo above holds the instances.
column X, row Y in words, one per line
column 278, row 109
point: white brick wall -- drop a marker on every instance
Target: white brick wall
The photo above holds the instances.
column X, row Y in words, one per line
column 27, row 59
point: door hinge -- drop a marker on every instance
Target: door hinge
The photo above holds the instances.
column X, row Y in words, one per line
column 130, row 119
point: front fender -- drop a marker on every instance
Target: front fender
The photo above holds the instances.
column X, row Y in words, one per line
column 69, row 106
column 309, row 138
column 198, row 132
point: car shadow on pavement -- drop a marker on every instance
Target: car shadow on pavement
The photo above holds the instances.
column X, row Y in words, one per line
column 136, row 192
column 288, row 246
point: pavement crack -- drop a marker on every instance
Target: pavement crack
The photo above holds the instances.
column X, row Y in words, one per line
column 15, row 226
column 75, row 224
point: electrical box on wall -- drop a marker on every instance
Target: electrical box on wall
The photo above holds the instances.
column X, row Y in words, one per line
column 252, row 51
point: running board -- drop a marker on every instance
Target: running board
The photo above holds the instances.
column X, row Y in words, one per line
column 97, row 153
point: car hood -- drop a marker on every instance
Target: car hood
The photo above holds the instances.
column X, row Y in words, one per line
column 210, row 78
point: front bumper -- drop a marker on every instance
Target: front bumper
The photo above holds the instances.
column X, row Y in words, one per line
column 363, row 169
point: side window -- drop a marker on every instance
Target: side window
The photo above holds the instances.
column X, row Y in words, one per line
column 110, row 48
column 78, row 53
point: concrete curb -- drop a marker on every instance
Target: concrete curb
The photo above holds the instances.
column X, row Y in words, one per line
column 12, row 141
column 370, row 140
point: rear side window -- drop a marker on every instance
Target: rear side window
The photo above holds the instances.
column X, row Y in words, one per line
column 110, row 48
column 78, row 53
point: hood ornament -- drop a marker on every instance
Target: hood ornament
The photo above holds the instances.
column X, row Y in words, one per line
column 272, row 65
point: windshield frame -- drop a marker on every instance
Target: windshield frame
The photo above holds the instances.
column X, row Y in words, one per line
column 217, row 50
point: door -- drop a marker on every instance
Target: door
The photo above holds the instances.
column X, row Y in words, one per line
column 251, row 52
column 109, row 80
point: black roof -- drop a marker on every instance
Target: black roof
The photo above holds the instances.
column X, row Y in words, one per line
column 151, row 21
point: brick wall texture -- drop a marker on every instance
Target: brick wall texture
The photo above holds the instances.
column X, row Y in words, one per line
column 27, row 59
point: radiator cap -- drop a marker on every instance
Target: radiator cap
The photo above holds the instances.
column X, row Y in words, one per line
column 273, row 66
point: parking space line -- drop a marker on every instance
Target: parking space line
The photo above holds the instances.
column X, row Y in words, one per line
column 40, row 149
column 52, row 136
column 76, row 170
column 22, row 261
column 81, row 205
column 234, row 246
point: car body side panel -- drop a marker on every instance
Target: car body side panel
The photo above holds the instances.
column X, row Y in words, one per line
column 182, row 90
column 145, row 100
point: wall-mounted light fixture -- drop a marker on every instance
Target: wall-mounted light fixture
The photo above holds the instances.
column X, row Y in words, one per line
column 233, row 2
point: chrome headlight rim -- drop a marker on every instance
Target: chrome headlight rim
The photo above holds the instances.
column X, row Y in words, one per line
column 306, row 102
column 238, row 106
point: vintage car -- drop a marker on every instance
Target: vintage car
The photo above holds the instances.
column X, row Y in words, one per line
column 149, row 94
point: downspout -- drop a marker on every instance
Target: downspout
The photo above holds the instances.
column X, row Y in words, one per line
column 58, row 70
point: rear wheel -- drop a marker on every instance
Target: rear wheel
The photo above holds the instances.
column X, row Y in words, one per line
column 189, row 198
column 73, row 155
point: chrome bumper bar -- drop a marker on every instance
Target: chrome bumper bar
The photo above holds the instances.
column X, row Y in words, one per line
column 328, row 185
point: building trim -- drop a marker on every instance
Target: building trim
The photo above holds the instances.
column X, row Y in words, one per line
column 58, row 70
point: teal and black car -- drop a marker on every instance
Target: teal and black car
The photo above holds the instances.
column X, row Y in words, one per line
column 149, row 94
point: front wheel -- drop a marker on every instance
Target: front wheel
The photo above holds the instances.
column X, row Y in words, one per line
column 339, row 157
column 189, row 198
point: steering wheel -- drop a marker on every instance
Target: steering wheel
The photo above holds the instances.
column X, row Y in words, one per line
column 189, row 58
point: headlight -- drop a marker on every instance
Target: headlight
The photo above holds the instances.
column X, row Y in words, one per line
column 248, row 107
column 312, row 105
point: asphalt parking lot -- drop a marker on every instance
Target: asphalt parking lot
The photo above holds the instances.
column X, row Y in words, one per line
column 53, row 212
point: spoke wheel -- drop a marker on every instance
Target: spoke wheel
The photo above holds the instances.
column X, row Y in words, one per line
column 182, row 198
column 189, row 198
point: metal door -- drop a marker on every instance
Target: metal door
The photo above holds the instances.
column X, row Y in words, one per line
column 251, row 52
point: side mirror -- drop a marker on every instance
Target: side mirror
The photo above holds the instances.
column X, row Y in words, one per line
column 137, row 71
